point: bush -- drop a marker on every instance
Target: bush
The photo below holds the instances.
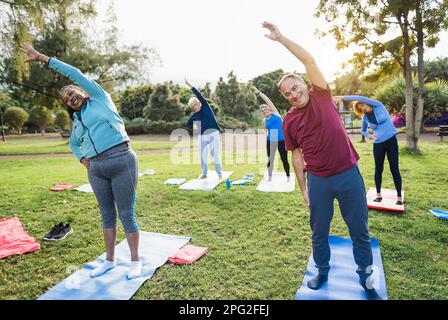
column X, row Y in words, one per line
column 62, row 119
column 16, row 118
column 136, row 126
column 232, row 123
column 142, row 126
column 165, row 127
column 392, row 95
column 41, row 117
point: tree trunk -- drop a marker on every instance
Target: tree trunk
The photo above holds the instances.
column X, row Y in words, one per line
column 410, row 132
column 42, row 130
column 421, row 73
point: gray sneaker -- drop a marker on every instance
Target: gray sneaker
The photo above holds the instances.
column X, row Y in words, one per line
column 63, row 233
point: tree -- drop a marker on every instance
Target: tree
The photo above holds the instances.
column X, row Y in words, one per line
column 235, row 99
column 62, row 119
column 41, row 117
column 267, row 83
column 352, row 24
column 16, row 118
column 436, row 70
column 134, row 99
column 66, row 34
column 163, row 104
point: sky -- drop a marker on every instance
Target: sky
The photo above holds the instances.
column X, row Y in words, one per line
column 206, row 39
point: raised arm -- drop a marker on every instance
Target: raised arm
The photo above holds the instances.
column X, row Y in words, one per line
column 74, row 74
column 371, row 102
column 299, row 165
column 267, row 100
column 312, row 70
column 198, row 95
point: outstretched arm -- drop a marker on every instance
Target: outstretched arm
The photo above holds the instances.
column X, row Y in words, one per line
column 198, row 95
column 74, row 74
column 371, row 102
column 381, row 113
column 267, row 100
column 312, row 70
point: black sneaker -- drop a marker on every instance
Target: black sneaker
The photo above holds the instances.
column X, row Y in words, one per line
column 56, row 228
column 63, row 233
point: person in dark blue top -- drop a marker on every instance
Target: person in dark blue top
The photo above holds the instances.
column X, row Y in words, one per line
column 374, row 115
column 272, row 123
column 209, row 130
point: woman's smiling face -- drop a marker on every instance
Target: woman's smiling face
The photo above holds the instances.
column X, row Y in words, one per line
column 74, row 97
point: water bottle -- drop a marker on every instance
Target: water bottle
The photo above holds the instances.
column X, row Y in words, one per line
column 228, row 184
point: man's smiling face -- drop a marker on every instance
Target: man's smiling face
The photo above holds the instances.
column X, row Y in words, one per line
column 295, row 91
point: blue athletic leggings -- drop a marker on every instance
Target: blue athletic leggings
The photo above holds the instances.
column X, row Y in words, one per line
column 113, row 176
column 380, row 150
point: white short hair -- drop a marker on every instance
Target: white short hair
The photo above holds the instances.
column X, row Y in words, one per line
column 192, row 100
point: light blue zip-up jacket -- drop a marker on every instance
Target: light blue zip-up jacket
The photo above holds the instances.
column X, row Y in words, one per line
column 384, row 129
column 97, row 127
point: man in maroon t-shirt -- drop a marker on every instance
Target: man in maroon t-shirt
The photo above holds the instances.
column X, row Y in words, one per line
column 316, row 136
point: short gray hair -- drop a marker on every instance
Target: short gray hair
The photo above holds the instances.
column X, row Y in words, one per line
column 191, row 100
column 290, row 76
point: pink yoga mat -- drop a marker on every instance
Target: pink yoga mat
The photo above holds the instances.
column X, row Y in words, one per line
column 61, row 187
column 188, row 254
column 14, row 239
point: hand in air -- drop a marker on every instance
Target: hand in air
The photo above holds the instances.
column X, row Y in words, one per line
column 31, row 53
column 274, row 34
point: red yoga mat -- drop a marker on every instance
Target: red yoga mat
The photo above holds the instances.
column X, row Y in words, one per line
column 188, row 254
column 61, row 187
column 14, row 239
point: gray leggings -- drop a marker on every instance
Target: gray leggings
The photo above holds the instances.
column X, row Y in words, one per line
column 113, row 175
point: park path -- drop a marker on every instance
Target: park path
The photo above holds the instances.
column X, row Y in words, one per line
column 353, row 137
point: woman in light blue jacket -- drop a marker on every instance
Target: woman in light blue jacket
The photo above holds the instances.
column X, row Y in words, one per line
column 100, row 143
column 375, row 116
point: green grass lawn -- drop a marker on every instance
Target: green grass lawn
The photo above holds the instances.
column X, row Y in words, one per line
column 259, row 242
column 40, row 147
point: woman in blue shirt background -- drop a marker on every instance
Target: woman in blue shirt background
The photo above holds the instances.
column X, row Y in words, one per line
column 272, row 123
column 374, row 115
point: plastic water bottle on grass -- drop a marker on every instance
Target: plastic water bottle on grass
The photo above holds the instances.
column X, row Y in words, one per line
column 228, row 184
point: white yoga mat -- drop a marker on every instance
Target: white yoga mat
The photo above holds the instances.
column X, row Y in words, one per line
column 85, row 188
column 174, row 181
column 154, row 249
column 206, row 184
column 148, row 171
column 279, row 183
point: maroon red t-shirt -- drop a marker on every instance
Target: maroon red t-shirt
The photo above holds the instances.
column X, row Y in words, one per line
column 318, row 131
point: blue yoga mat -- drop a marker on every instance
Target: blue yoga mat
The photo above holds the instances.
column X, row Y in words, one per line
column 343, row 281
column 154, row 249
column 441, row 214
